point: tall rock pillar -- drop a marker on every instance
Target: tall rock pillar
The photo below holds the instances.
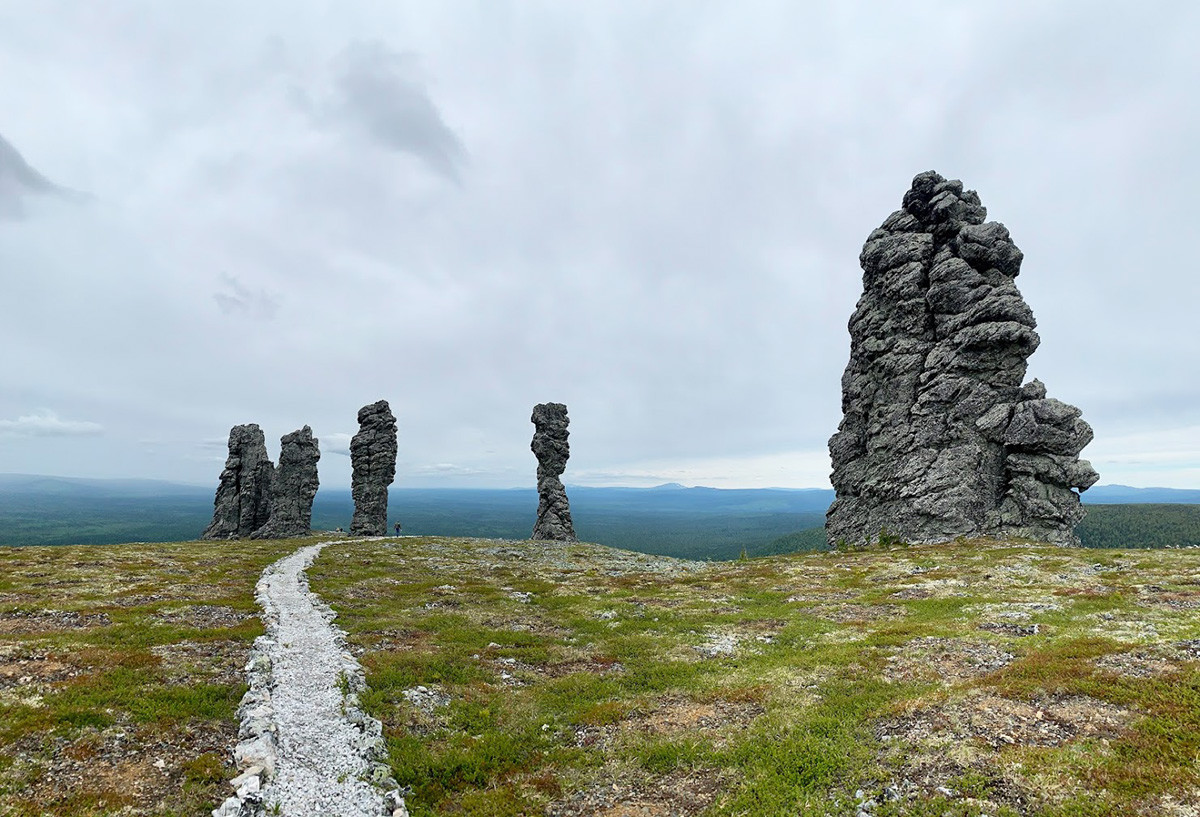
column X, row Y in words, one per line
column 552, row 450
column 939, row 438
column 243, row 501
column 373, row 462
column 295, row 485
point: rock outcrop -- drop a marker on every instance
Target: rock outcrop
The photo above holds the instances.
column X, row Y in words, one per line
column 552, row 450
column 293, row 488
column 243, row 501
column 939, row 437
column 373, row 460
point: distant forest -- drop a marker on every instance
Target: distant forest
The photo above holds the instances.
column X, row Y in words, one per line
column 696, row 523
column 1140, row 526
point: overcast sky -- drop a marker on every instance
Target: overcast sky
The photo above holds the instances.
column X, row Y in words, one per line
column 276, row 212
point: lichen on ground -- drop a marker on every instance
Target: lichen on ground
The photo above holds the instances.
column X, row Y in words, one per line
column 514, row 678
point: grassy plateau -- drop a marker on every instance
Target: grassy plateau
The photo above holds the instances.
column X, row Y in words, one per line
column 517, row 678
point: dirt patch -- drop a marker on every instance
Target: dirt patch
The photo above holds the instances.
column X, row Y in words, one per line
column 36, row 621
column 718, row 720
column 37, row 671
column 949, row 660
column 913, row 593
column 1184, row 804
column 1137, row 664
column 859, row 613
column 1012, row 629
column 203, row 616
column 120, row 770
column 932, row 747
column 675, row 795
column 208, row 662
column 1152, row 595
column 822, row 595
column 592, row 666
column 997, row 721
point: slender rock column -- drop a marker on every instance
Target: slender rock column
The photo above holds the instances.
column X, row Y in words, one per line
column 552, row 450
column 373, row 460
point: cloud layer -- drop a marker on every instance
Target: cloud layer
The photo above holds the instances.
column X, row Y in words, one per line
column 651, row 212
column 47, row 424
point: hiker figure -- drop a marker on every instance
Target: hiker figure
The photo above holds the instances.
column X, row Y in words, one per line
column 397, row 528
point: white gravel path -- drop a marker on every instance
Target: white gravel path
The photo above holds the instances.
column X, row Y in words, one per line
column 306, row 749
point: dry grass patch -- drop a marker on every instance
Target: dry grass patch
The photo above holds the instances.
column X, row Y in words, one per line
column 117, row 676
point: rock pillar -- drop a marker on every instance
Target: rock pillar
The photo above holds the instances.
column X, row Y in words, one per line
column 373, row 462
column 939, row 438
column 552, row 450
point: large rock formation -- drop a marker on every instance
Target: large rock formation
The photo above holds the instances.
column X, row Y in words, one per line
column 552, row 450
column 243, row 501
column 373, row 460
column 939, row 437
column 294, row 486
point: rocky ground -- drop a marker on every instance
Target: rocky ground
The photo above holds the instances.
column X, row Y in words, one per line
column 972, row 678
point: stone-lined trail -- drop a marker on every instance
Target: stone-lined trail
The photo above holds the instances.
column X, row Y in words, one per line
column 306, row 749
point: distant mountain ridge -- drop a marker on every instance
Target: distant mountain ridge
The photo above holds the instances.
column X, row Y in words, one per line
column 698, row 522
column 1124, row 495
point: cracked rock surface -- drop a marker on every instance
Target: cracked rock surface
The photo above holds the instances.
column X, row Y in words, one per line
column 552, row 450
column 243, row 501
column 295, row 485
column 373, row 459
column 305, row 746
column 939, row 436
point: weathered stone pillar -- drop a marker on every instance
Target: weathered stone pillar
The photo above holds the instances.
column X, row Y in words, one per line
column 939, row 438
column 373, row 463
column 295, row 485
column 243, row 501
column 552, row 450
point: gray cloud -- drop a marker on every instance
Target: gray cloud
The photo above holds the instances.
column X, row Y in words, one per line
column 46, row 423
column 378, row 91
column 660, row 225
column 238, row 299
column 18, row 179
column 335, row 443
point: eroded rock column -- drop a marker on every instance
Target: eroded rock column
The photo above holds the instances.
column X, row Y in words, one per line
column 243, row 501
column 373, row 460
column 552, row 451
column 939, row 438
column 294, row 486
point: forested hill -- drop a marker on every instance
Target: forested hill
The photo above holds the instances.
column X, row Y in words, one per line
column 692, row 522
column 670, row 520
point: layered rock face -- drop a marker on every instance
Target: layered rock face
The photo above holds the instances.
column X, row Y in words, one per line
column 939, row 437
column 552, row 450
column 373, row 460
column 294, row 486
column 243, row 501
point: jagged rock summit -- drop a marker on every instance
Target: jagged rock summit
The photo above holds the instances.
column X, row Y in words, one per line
column 294, row 486
column 939, row 438
column 373, row 460
column 243, row 501
column 552, row 450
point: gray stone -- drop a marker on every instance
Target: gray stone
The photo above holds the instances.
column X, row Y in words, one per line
column 294, row 487
column 243, row 501
column 940, row 437
column 552, row 450
column 373, row 460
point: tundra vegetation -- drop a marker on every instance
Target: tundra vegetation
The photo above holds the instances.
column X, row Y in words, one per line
column 561, row 679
